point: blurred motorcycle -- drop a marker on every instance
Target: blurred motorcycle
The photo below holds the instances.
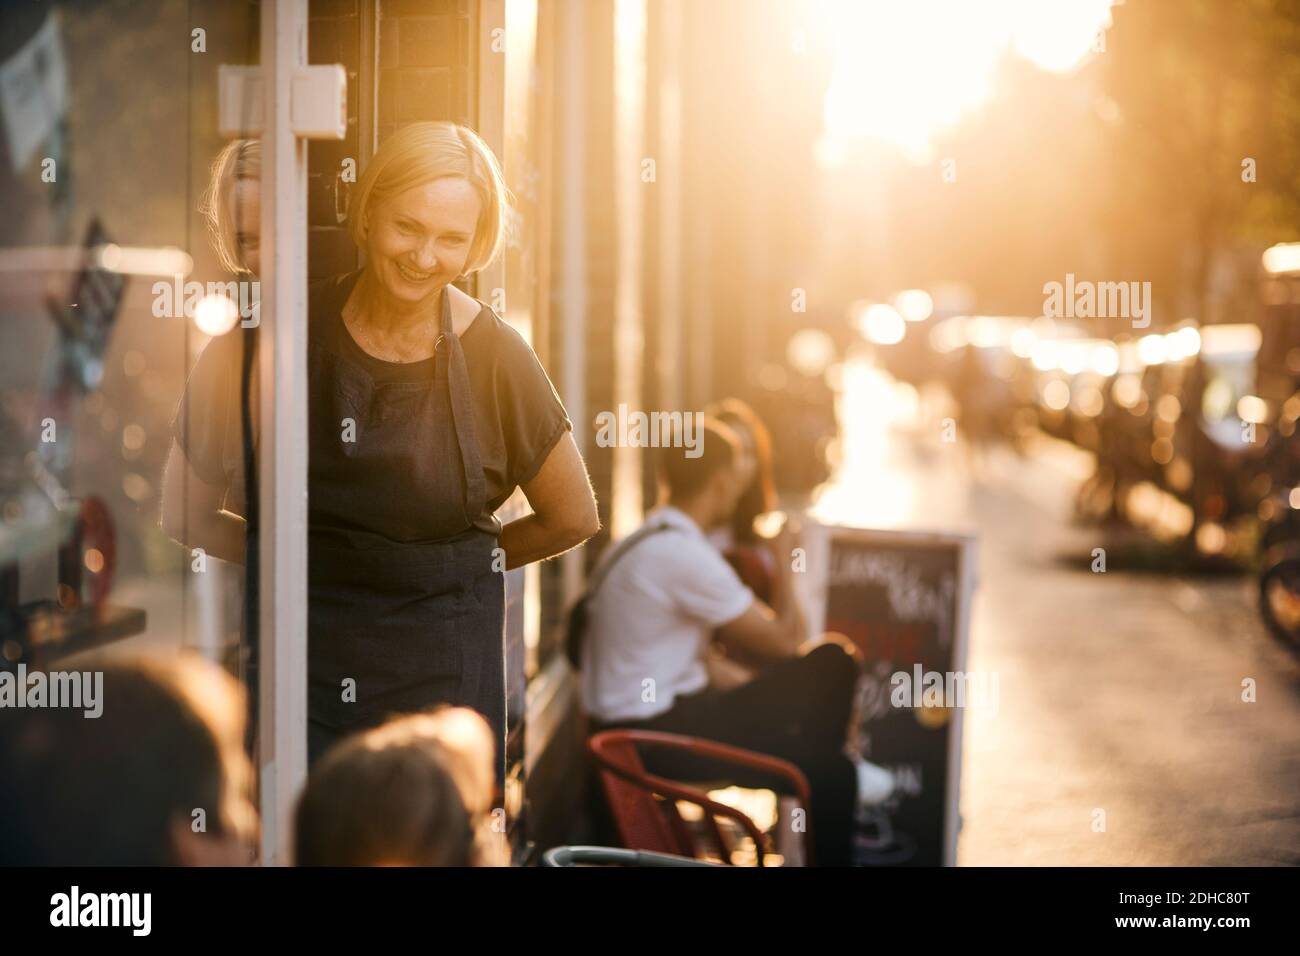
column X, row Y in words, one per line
column 1279, row 576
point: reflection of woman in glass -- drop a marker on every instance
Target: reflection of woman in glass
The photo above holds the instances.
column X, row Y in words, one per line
column 232, row 206
column 205, row 509
column 426, row 412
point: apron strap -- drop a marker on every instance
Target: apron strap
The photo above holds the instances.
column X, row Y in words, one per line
column 462, row 411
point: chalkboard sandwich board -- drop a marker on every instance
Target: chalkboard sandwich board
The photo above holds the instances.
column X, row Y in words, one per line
column 904, row 598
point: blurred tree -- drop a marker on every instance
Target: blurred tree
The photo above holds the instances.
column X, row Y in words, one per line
column 1203, row 97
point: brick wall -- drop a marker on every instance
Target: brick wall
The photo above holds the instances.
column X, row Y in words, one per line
column 333, row 36
column 426, row 62
column 424, row 69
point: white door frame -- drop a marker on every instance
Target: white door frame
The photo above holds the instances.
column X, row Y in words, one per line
column 282, row 451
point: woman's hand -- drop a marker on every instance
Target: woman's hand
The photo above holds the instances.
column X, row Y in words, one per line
column 787, row 537
column 564, row 509
column 192, row 512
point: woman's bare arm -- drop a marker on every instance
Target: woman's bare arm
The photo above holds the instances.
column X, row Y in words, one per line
column 192, row 512
column 564, row 509
column 771, row 633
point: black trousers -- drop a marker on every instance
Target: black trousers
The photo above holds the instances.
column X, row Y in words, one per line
column 798, row 710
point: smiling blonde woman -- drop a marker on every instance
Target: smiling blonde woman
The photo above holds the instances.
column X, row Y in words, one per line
column 426, row 412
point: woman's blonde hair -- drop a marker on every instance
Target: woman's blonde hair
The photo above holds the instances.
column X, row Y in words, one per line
column 238, row 159
column 422, row 152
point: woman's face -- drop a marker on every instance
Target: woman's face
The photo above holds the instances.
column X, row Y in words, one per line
column 246, row 198
column 419, row 241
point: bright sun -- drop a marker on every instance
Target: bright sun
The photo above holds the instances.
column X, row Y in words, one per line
column 903, row 71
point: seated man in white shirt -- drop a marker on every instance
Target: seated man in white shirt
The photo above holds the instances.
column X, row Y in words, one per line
column 658, row 599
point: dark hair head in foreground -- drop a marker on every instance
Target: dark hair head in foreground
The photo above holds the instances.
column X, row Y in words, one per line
column 159, row 778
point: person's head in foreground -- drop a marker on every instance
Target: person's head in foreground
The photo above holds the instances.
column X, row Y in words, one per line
column 707, row 481
column 416, row 791
column 159, row 778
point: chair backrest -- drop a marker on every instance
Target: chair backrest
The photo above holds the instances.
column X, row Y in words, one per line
column 615, row 856
column 644, row 805
column 644, row 821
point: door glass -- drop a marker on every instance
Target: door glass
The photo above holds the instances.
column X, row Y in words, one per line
column 128, row 268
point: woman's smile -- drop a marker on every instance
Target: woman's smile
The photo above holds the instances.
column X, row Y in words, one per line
column 411, row 274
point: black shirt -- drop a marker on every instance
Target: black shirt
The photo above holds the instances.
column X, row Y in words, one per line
column 518, row 416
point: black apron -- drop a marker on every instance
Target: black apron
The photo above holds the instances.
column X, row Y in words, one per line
column 410, row 625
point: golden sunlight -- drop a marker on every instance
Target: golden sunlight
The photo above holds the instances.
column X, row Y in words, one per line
column 898, row 79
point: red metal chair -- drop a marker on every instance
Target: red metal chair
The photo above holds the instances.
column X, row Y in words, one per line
column 644, row 806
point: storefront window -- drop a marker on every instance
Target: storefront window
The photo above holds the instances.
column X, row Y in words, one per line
column 121, row 261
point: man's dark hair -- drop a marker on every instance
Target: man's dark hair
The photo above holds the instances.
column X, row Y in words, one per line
column 104, row 791
column 717, row 446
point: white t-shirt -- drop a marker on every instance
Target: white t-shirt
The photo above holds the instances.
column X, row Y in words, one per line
column 650, row 620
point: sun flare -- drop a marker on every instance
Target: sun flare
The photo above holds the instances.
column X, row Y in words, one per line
column 898, row 79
